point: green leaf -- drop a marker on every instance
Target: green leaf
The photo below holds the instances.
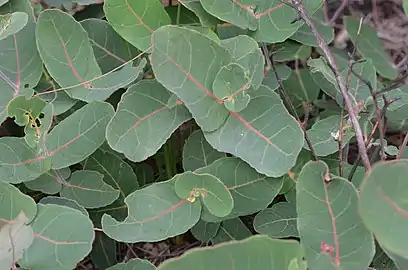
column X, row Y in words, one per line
column 278, row 221
column 198, row 153
column 211, row 191
column 231, row 229
column 12, row 23
column 13, row 202
column 19, row 162
column 15, row 238
column 246, row 52
column 206, row 20
column 64, row 202
column 136, row 20
column 143, row 122
column 305, row 36
column 58, row 244
column 89, row 190
column 25, row 110
column 381, row 261
column 270, row 80
column 230, row 85
column 324, row 135
column 382, row 205
column 49, row 182
column 79, row 135
column 110, row 49
column 186, row 63
column 2, row 2
column 205, row 231
column 264, row 134
column 103, row 252
column 290, row 50
column 250, row 190
column 163, row 215
column 330, row 229
column 301, row 87
column 134, row 264
column 20, row 64
column 399, row 261
column 259, row 252
column 369, row 46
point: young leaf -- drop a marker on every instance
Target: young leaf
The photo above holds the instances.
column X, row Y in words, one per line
column 133, row 264
column 264, row 134
column 260, row 252
column 12, row 23
column 231, row 229
column 136, row 20
column 110, row 49
column 369, row 45
column 13, row 202
column 89, row 190
column 57, row 243
column 191, row 76
column 20, row 64
column 382, row 205
column 251, row 191
column 212, row 192
column 49, row 182
column 155, row 213
column 230, row 85
column 278, row 221
column 143, row 122
column 15, row 238
column 198, row 153
column 205, row 231
column 25, row 110
column 330, row 229
column 79, row 135
column 64, row 202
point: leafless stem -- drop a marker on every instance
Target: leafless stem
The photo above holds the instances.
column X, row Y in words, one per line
column 338, row 12
column 402, row 147
column 270, row 65
column 340, row 81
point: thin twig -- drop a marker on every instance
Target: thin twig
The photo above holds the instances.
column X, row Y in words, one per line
column 338, row 12
column 402, row 147
column 339, row 79
column 271, row 65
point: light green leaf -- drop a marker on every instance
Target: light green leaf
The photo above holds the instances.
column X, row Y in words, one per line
column 270, row 80
column 191, row 76
column 301, row 87
column 49, row 182
column 264, row 134
column 230, row 85
column 198, row 153
column 155, row 213
column 290, row 50
column 110, row 49
column 330, row 229
column 2, row 2
column 64, row 202
column 25, row 110
column 19, row 162
column 17, row 77
column 305, row 36
column 89, row 190
column 205, row 231
column 250, row 190
column 13, row 202
column 260, row 252
column 401, row 262
column 278, row 221
column 134, row 264
column 369, row 46
column 231, row 229
column 58, row 244
column 206, row 19
column 323, row 76
column 324, row 135
column 136, row 20
column 12, row 23
column 143, row 122
column 211, row 191
column 15, row 238
column 383, row 206
column 79, row 135
column 246, row 52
